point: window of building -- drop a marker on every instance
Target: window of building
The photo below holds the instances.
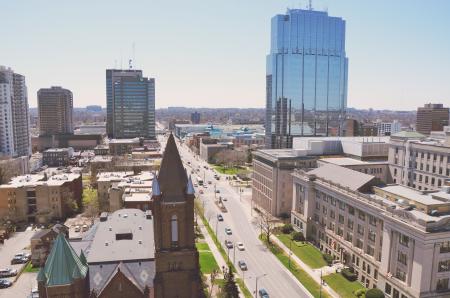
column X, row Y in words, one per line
column 341, row 218
column 361, row 215
column 332, row 214
column 351, row 210
column 442, row 285
column 402, row 257
column 372, row 220
column 360, row 230
column 370, row 250
column 350, row 224
column 387, row 289
column 174, row 230
column 349, row 237
column 444, row 266
column 375, row 273
column 404, row 240
column 372, row 235
column 401, row 275
column 340, row 231
column 445, row 247
column 359, row 244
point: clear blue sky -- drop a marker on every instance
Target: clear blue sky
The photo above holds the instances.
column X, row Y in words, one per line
column 212, row 53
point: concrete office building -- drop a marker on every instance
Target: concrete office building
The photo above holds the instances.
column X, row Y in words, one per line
column 306, row 77
column 394, row 237
column 387, row 128
column 55, row 107
column 272, row 179
column 130, row 100
column 15, row 137
column 419, row 162
column 432, row 117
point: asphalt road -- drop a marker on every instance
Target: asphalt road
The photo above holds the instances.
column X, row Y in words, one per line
column 272, row 275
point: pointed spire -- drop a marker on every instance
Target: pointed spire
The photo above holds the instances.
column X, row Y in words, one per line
column 155, row 187
column 172, row 176
column 63, row 265
column 83, row 258
column 190, row 187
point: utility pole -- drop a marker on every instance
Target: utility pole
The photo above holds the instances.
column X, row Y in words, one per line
column 234, row 255
column 320, row 291
column 256, row 284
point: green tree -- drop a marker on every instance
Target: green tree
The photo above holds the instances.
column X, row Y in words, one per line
column 374, row 293
column 230, row 288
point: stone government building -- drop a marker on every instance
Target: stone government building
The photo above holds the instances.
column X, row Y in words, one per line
column 133, row 253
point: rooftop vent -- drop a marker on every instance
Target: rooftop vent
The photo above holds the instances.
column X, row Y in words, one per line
column 140, row 227
column 110, row 228
column 140, row 241
column 106, row 244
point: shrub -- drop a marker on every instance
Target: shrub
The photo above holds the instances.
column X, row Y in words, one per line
column 287, row 229
column 298, row 236
column 349, row 275
column 328, row 258
column 374, row 293
column 360, row 293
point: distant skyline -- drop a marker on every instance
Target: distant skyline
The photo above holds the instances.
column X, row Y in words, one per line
column 212, row 54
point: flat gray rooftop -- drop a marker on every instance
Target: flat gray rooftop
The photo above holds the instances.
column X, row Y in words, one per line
column 105, row 247
column 342, row 176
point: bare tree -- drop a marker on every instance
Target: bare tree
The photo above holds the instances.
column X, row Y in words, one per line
column 212, row 278
column 266, row 224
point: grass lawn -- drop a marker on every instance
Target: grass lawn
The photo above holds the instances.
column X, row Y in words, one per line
column 307, row 281
column 305, row 252
column 341, row 285
column 30, row 268
column 207, row 261
column 227, row 170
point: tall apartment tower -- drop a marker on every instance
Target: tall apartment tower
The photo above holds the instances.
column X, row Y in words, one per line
column 431, row 117
column 130, row 104
column 14, row 119
column 55, row 107
column 306, row 77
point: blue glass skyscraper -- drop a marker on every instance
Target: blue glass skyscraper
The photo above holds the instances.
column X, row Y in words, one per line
column 306, row 77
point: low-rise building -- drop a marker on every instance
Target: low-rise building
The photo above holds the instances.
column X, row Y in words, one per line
column 393, row 237
column 57, row 157
column 272, row 180
column 40, row 197
column 101, row 150
column 11, row 167
column 419, row 162
column 208, row 150
column 124, row 146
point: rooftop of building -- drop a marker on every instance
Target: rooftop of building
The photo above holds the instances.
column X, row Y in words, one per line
column 124, row 141
column 113, row 176
column 347, row 161
column 134, row 195
column 58, row 150
column 126, row 235
column 39, row 179
column 277, row 154
column 427, row 198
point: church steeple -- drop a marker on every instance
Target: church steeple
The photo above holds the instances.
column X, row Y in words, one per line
column 172, row 176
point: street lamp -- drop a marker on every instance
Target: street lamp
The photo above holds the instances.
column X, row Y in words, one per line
column 256, row 283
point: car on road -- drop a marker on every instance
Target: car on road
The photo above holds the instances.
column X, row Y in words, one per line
column 228, row 244
column 217, row 191
column 8, row 272
column 263, row 293
column 228, row 231
column 5, row 283
column 34, row 293
column 240, row 246
column 26, row 255
column 19, row 260
column 224, row 199
column 219, row 217
column 242, row 265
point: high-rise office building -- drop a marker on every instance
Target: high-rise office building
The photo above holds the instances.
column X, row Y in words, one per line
column 431, row 117
column 195, row 117
column 130, row 104
column 55, row 107
column 14, row 120
column 306, row 77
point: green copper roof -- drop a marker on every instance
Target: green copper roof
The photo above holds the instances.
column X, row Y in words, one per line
column 83, row 258
column 409, row 134
column 63, row 265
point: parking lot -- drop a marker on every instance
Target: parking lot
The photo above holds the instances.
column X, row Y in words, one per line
column 18, row 242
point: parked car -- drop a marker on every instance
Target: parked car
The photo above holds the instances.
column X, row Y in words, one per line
column 242, row 265
column 228, row 244
column 34, row 293
column 240, row 246
column 219, row 217
column 217, row 191
column 5, row 283
column 263, row 293
column 19, row 260
column 8, row 272
column 228, row 231
column 224, row 199
column 26, row 255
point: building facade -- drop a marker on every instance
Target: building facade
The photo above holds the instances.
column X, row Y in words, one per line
column 58, row 157
column 306, row 77
column 388, row 128
column 55, row 106
column 394, row 238
column 130, row 104
column 15, row 137
column 272, row 180
column 419, row 162
column 432, row 117
column 195, row 118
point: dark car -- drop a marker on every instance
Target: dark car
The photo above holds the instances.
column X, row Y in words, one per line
column 242, row 265
column 5, row 283
column 263, row 293
column 219, row 217
column 228, row 244
column 19, row 260
column 228, row 231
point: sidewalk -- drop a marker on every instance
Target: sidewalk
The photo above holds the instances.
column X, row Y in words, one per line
column 314, row 273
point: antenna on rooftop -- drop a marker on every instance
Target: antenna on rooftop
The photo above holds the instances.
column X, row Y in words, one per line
column 133, row 48
column 310, row 5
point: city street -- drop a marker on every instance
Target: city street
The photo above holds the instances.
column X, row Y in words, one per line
column 263, row 267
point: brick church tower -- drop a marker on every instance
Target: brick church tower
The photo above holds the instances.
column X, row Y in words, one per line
column 176, row 257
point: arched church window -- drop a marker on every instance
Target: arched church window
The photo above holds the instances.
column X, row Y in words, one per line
column 174, row 230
